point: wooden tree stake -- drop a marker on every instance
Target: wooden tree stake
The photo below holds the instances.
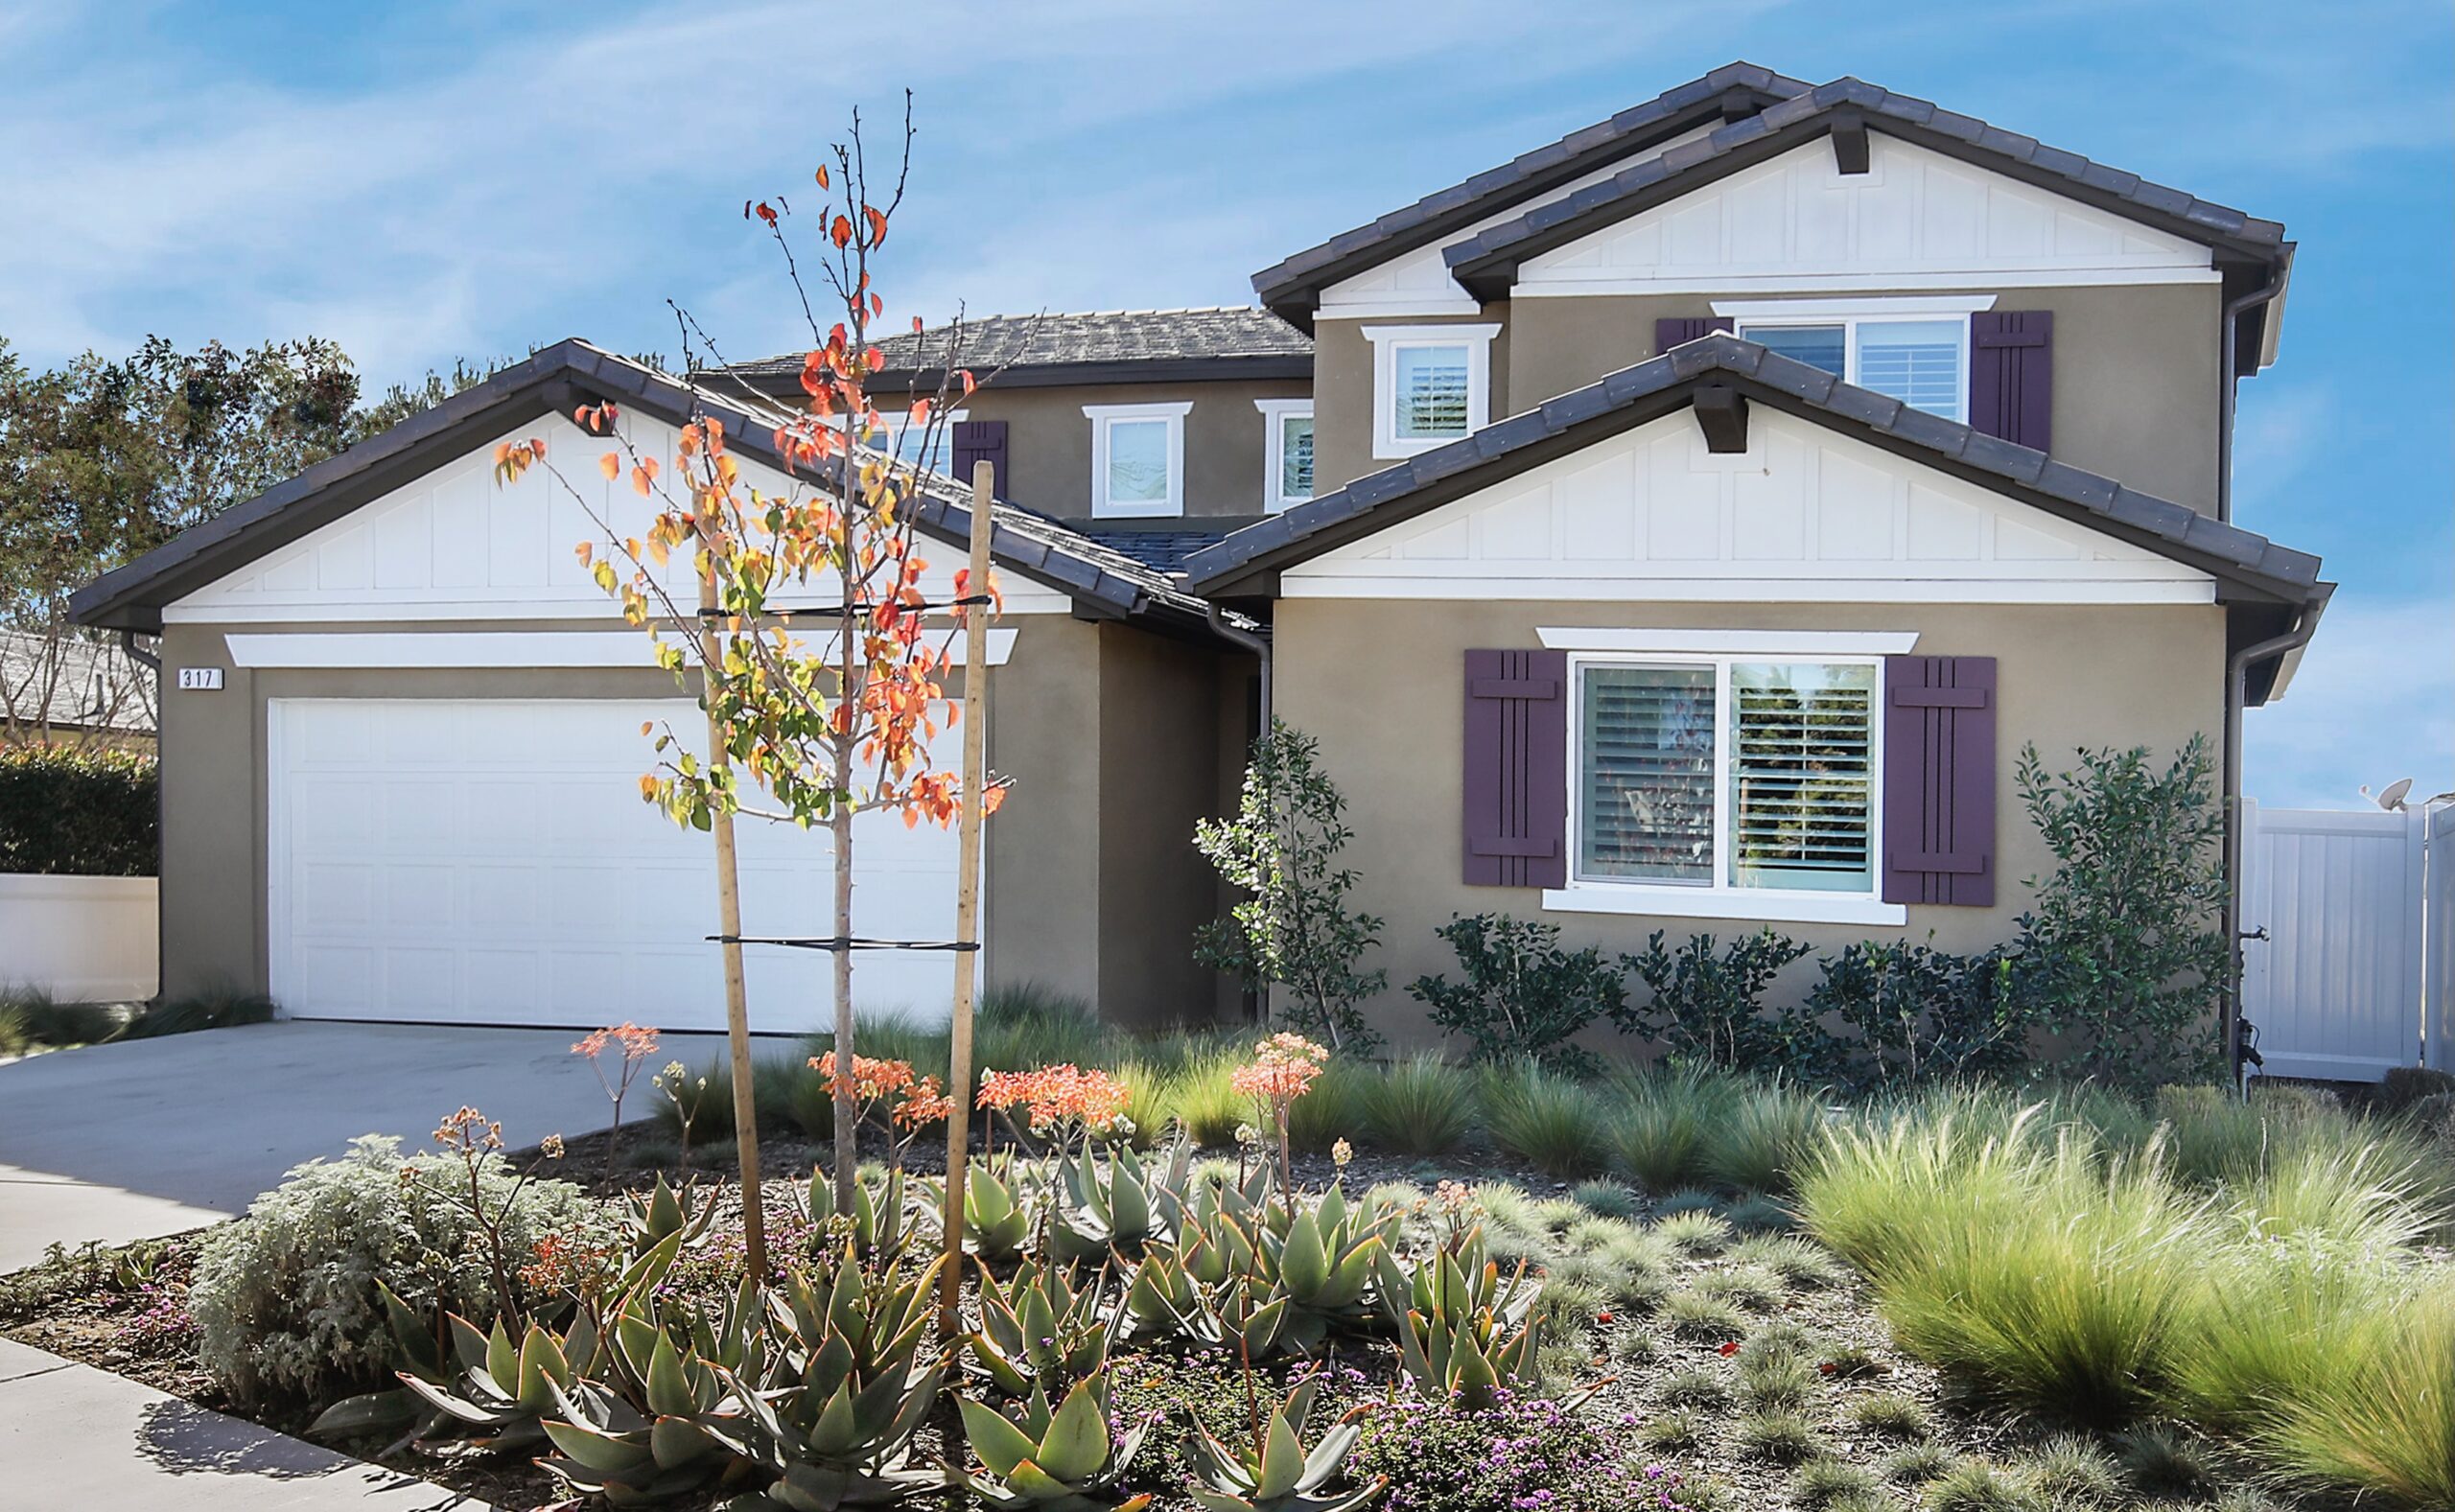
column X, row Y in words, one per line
column 745, row 1105
column 968, row 962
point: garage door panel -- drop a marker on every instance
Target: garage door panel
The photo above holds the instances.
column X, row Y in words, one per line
column 491, row 861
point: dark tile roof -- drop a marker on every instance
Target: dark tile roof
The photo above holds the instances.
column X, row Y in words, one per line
column 132, row 597
column 1292, row 285
column 1165, row 550
column 1485, row 262
column 1253, row 341
column 1661, row 384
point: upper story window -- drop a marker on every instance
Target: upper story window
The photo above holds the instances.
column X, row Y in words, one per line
column 926, row 447
column 1287, row 476
column 1431, row 386
column 1915, row 349
column 1732, row 774
column 1138, row 458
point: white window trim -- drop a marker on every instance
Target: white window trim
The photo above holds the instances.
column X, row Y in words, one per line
column 1387, row 340
column 1719, row 898
column 1793, row 645
column 1100, row 416
column 1275, row 413
column 1837, row 312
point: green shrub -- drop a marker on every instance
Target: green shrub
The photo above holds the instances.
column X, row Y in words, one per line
column 1706, row 1005
column 1552, row 1122
column 1522, row 995
column 2404, row 1087
column 1292, row 935
column 79, row 813
column 2123, row 956
column 1921, row 1014
column 1422, row 1106
column 285, row 1299
column 30, row 1019
column 216, row 1008
column 1763, row 1139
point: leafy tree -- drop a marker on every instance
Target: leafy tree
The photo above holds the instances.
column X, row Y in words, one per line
column 103, row 460
column 1707, row 1005
column 1294, row 929
column 1522, row 995
column 828, row 706
column 2123, row 950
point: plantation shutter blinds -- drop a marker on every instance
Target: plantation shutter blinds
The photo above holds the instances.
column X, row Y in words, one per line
column 1939, row 780
column 1801, row 776
column 977, row 441
column 2011, row 375
column 1515, row 769
column 1672, row 331
column 1646, row 790
column 1296, row 456
column 1431, row 391
column 1916, row 361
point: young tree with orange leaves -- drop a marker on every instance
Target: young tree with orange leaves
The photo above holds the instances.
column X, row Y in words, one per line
column 832, row 725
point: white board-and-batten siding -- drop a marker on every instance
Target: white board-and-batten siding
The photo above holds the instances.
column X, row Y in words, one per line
column 1802, row 515
column 456, row 545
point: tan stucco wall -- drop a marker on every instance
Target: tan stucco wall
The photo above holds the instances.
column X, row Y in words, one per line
column 2135, row 392
column 1087, row 880
column 1380, row 683
column 1342, row 391
column 1048, row 442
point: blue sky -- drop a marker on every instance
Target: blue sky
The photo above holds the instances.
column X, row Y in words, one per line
column 425, row 183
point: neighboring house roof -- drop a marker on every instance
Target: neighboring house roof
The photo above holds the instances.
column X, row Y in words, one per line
column 1292, row 288
column 1165, row 550
column 555, row 381
column 2249, row 568
column 1100, row 346
column 90, row 685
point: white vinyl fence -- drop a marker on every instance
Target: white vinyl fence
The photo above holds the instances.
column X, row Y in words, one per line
column 2354, row 967
column 81, row 938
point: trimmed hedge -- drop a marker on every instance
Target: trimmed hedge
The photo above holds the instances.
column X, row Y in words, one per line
column 79, row 813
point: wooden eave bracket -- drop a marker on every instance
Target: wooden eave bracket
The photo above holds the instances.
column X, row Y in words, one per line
column 1721, row 414
column 1849, row 141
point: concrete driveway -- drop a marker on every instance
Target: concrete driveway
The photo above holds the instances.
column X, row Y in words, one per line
column 151, row 1137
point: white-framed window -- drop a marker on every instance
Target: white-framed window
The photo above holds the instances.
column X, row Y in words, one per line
column 927, row 447
column 1431, row 386
column 1743, row 782
column 1287, row 461
column 1915, row 348
column 1138, row 458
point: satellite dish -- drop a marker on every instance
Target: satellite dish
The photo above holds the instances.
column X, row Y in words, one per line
column 2393, row 799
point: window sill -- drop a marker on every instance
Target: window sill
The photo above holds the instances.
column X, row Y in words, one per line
column 1681, row 902
column 1102, row 509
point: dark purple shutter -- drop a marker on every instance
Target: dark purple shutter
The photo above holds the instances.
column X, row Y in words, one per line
column 1671, row 333
column 1517, row 769
column 2011, row 375
column 982, row 441
column 1939, row 780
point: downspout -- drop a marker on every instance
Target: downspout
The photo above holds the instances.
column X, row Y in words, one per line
column 138, row 654
column 1257, row 644
column 2238, row 675
column 2228, row 397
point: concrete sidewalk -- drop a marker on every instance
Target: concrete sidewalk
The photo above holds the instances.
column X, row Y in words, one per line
column 72, row 1436
column 147, row 1137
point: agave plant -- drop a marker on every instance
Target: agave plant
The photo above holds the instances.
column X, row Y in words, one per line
column 1454, row 1282
column 874, row 1223
column 997, row 1221
column 1321, row 1262
column 1061, row 1461
column 1121, row 1211
column 1040, row 1328
column 689, row 1435
column 1273, row 1473
column 648, row 1222
column 1471, row 1359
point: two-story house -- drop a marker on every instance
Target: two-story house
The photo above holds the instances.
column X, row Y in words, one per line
column 1682, row 525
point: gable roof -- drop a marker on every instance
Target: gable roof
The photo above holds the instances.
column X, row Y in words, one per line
column 557, row 380
column 1098, row 346
column 1292, row 288
column 2248, row 567
column 1486, row 262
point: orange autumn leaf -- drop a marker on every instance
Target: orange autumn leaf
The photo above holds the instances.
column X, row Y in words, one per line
column 842, row 231
column 611, row 465
column 821, row 175
column 878, row 225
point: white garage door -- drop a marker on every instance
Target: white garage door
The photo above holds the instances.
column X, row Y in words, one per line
column 491, row 862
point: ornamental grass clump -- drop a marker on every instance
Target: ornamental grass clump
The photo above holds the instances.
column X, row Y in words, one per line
column 1763, row 1139
column 1658, row 1134
column 1421, row 1105
column 1552, row 1120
